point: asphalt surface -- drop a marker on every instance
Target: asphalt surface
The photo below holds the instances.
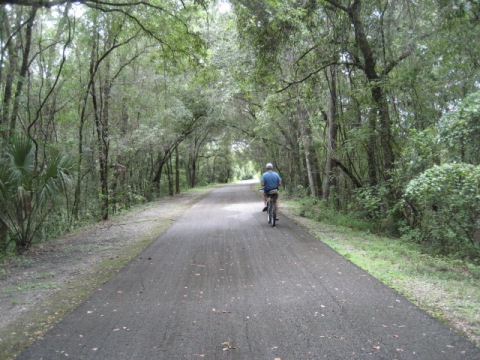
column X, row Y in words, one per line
column 221, row 283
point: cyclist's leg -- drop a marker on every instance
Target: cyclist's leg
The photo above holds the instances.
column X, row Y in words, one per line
column 275, row 201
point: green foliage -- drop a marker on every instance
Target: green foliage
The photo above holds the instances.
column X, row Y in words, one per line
column 421, row 150
column 460, row 131
column 444, row 204
column 378, row 206
column 27, row 195
column 321, row 211
column 371, row 201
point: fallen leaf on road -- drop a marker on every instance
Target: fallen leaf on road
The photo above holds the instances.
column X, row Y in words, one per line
column 376, row 347
column 227, row 346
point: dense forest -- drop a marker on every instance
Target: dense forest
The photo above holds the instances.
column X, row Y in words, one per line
column 370, row 107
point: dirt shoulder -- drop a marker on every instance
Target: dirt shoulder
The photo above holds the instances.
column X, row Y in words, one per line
column 45, row 283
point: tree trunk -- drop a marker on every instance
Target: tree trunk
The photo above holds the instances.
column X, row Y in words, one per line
column 101, row 117
column 305, row 138
column 193, row 171
column 371, row 150
column 102, row 156
column 9, row 78
column 295, row 164
column 119, row 198
column 177, row 172
column 23, row 69
column 171, row 191
column 381, row 106
column 83, row 117
column 331, row 180
column 163, row 158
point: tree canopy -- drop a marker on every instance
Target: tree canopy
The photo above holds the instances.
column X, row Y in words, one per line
column 357, row 103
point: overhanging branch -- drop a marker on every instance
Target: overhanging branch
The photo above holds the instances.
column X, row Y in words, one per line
column 291, row 83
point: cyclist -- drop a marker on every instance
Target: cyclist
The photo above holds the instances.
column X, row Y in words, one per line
column 270, row 182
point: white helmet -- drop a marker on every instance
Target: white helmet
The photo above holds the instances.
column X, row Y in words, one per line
column 269, row 166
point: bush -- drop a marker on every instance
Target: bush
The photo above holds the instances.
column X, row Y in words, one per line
column 378, row 206
column 371, row 202
column 444, row 206
column 28, row 194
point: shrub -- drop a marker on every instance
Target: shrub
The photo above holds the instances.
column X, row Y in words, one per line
column 371, row 202
column 378, row 206
column 27, row 194
column 444, row 203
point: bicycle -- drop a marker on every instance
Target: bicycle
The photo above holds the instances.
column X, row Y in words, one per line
column 271, row 211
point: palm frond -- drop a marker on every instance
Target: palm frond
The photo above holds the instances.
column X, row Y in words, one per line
column 58, row 174
column 7, row 183
column 22, row 158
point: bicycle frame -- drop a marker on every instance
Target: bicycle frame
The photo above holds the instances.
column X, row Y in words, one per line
column 271, row 211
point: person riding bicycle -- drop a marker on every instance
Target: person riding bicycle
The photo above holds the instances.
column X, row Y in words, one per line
column 270, row 182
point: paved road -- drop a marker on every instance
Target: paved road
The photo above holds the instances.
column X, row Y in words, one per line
column 222, row 284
